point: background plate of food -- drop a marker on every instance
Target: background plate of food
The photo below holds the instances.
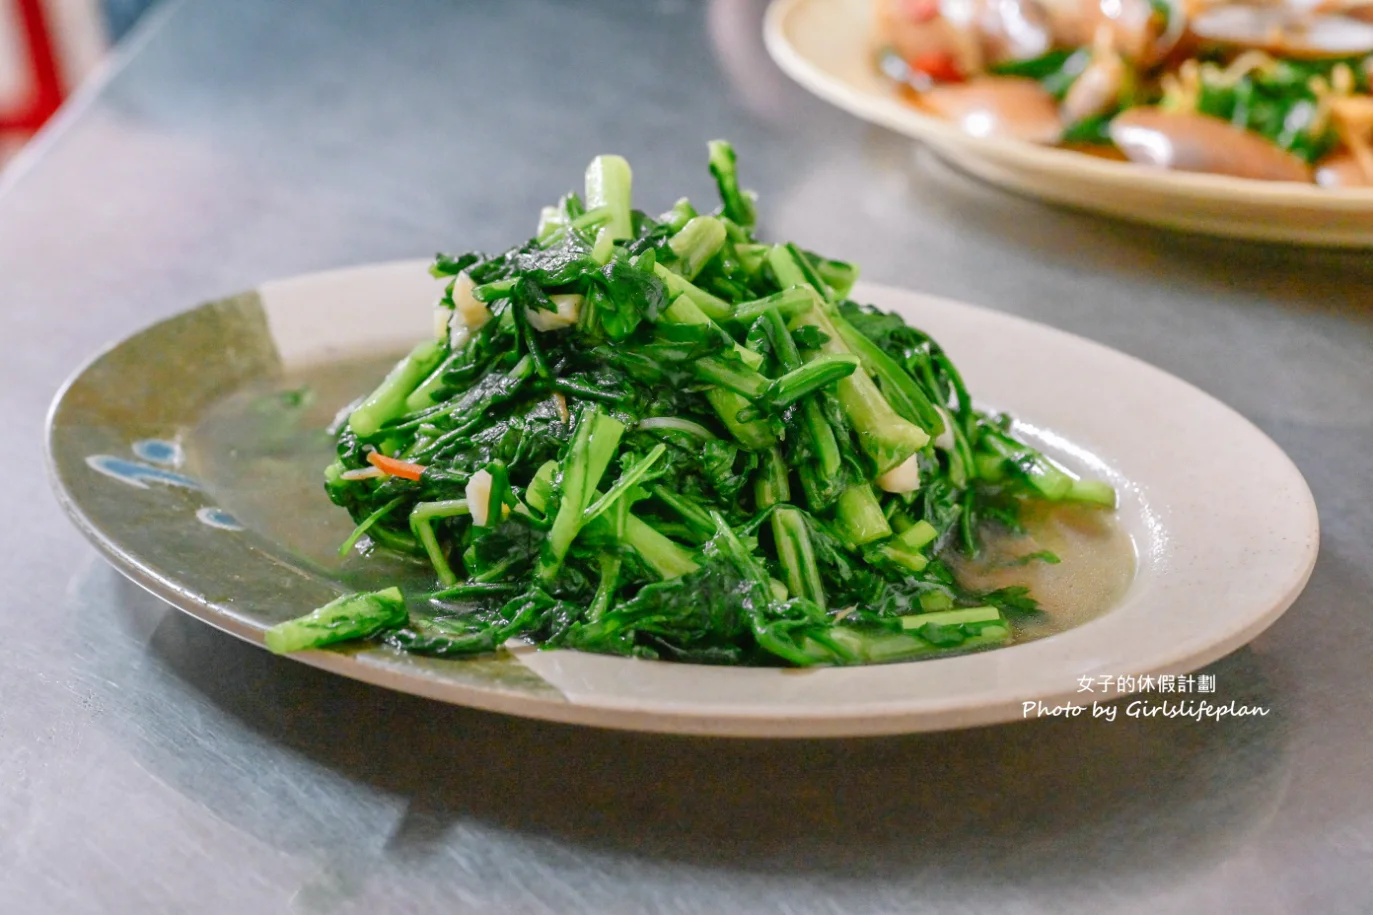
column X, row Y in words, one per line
column 1250, row 122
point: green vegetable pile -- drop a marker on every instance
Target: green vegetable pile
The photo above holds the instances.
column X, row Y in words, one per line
column 661, row 437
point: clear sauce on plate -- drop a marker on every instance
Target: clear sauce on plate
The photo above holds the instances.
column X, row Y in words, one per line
column 261, row 453
column 1096, row 565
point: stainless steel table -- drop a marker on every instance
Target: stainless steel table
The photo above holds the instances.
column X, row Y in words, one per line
column 150, row 764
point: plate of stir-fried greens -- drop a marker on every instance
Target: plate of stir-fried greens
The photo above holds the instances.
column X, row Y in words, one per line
column 642, row 470
column 1243, row 119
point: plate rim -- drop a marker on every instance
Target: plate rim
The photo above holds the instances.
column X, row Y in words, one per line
column 875, row 718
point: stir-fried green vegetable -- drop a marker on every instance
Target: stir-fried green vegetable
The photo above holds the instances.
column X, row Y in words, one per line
column 665, row 438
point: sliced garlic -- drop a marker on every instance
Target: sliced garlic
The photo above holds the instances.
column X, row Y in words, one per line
column 474, row 313
column 443, row 317
column 944, row 440
column 362, row 473
column 457, row 332
column 904, row 477
column 569, row 308
column 479, row 497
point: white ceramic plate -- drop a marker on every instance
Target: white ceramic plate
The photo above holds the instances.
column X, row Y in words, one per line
column 1224, row 526
column 826, row 46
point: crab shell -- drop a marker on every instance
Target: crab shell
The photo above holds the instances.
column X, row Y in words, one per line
column 1189, row 142
column 998, row 106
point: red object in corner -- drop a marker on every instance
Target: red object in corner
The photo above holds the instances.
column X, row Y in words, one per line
column 939, row 66
column 45, row 93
